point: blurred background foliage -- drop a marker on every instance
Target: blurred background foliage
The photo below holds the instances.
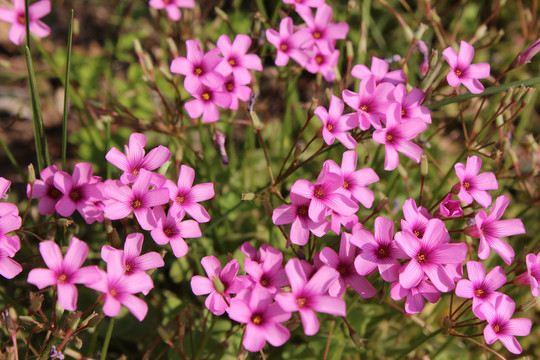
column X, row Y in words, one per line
column 110, row 84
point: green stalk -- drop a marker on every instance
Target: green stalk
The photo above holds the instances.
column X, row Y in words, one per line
column 66, row 92
column 39, row 132
column 107, row 340
column 11, row 158
column 488, row 91
column 27, row 22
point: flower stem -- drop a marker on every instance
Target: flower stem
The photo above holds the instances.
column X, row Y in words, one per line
column 107, row 340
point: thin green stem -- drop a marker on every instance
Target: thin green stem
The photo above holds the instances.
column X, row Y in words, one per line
column 66, row 92
column 107, row 340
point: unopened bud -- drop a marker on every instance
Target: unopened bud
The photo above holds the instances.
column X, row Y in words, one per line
column 434, row 58
column 64, row 222
column 496, row 154
column 513, row 155
column 481, row 31
column 164, row 70
column 520, row 93
column 528, row 305
column 424, row 166
column 8, row 323
column 507, row 98
column 35, row 303
column 531, row 142
column 77, row 342
column 499, row 121
column 349, row 49
column 248, row 196
column 29, row 320
column 420, row 31
column 529, row 95
column 526, row 56
column 172, row 47
column 137, row 47
column 92, row 320
column 59, row 311
column 219, row 139
column 73, row 320
column 31, row 174
column 357, row 340
column 222, row 14
column 148, row 64
column 164, row 334
column 218, row 285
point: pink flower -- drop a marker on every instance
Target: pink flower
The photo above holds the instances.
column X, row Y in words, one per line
column 172, row 229
column 45, row 191
column 198, row 67
column 344, row 264
column 206, row 103
column 490, row 230
column 397, row 137
column 17, row 19
column 139, row 199
column 336, row 125
column 237, row 90
column 134, row 262
column 323, row 63
column 450, row 208
column 172, row 7
column 9, row 245
column 481, row 288
column 379, row 69
column 297, row 214
column 501, row 326
column 415, row 295
column 525, row 57
column 378, row 251
column 474, row 186
column 463, row 72
column 310, row 296
column 428, row 255
column 532, row 275
column 219, row 284
column 6, row 207
column 304, row 3
column 185, row 196
column 235, row 57
column 118, row 288
column 416, row 219
column 324, row 195
column 287, row 43
column 269, row 273
column 135, row 159
column 80, row 192
column 64, row 272
column 262, row 316
column 370, row 103
column 411, row 104
column 323, row 32
column 355, row 181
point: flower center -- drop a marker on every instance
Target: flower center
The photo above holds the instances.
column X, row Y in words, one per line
column 75, row 195
column 346, row 185
column 479, row 293
column 466, row 185
column 113, row 292
column 318, row 192
column 284, row 47
column 205, row 96
column 180, row 199
column 128, row 268
column 229, row 86
column 198, row 71
column 458, row 72
column 403, row 113
column 364, row 108
column 167, row 2
column 21, row 19
column 421, row 258
column 342, row 269
column 319, row 59
column 381, row 252
column 264, row 281
column 417, row 233
column 62, row 278
column 55, row 193
column 496, row 328
column 389, row 137
column 135, row 172
column 168, row 232
column 302, row 210
column 317, row 34
column 136, row 204
column 301, row 302
column 232, row 62
column 256, row 319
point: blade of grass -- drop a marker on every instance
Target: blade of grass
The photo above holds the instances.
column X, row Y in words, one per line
column 27, row 22
column 11, row 158
column 66, row 92
column 105, row 347
column 42, row 151
column 487, row 91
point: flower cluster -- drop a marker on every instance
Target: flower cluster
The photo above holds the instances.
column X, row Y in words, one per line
column 216, row 81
